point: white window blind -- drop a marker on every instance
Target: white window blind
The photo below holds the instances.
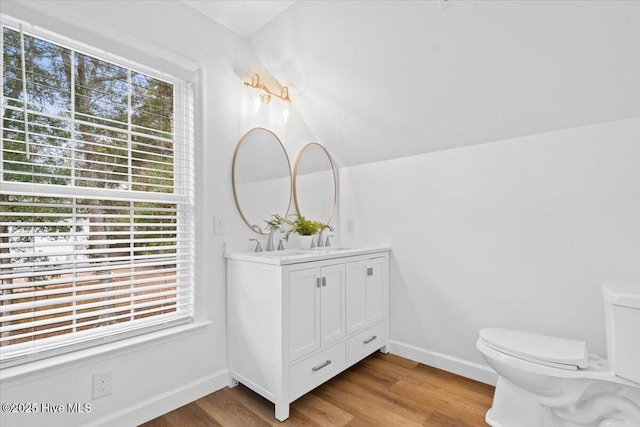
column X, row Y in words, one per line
column 96, row 199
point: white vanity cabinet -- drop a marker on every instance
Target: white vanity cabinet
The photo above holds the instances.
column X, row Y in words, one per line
column 296, row 321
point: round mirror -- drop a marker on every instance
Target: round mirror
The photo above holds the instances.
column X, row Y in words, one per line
column 261, row 177
column 315, row 187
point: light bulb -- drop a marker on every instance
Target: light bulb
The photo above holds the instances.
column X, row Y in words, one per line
column 286, row 112
column 257, row 101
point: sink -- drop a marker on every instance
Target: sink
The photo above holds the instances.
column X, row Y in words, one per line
column 299, row 253
column 334, row 248
column 278, row 254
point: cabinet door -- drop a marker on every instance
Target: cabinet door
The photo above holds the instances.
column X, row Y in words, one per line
column 356, row 296
column 365, row 293
column 304, row 312
column 332, row 323
column 375, row 290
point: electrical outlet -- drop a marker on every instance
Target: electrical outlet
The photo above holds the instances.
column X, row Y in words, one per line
column 101, row 385
column 350, row 225
column 218, row 225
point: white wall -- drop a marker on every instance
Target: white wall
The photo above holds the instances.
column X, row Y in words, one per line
column 153, row 377
column 518, row 233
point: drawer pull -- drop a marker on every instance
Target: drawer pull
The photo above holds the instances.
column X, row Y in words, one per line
column 317, row 368
column 369, row 340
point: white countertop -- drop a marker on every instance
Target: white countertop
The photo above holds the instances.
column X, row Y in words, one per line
column 293, row 256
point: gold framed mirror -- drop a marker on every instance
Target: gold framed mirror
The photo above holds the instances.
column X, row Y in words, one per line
column 261, row 178
column 315, row 183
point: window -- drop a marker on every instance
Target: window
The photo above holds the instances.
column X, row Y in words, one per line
column 96, row 198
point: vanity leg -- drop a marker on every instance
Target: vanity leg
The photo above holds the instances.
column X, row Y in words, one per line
column 282, row 411
column 232, row 382
column 384, row 350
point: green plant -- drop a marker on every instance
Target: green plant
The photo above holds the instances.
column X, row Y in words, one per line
column 276, row 220
column 303, row 226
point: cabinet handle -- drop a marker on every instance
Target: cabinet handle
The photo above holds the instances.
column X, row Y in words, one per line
column 317, row 368
column 369, row 340
column 370, row 271
column 324, row 281
column 318, row 282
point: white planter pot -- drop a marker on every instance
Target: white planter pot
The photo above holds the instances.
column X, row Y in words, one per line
column 304, row 242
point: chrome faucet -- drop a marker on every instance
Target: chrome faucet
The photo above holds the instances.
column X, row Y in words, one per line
column 258, row 247
column 320, row 242
column 257, row 229
column 270, row 239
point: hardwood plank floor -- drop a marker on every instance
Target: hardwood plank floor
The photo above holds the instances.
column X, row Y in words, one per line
column 382, row 390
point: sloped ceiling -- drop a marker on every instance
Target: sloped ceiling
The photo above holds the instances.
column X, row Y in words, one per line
column 377, row 80
column 241, row 16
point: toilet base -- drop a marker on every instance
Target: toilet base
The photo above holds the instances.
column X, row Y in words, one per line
column 601, row 405
column 514, row 406
column 488, row 418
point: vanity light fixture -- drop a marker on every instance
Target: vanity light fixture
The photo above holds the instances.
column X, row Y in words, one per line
column 264, row 94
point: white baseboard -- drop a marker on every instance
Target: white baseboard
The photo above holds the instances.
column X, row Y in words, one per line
column 452, row 364
column 166, row 402
column 163, row 403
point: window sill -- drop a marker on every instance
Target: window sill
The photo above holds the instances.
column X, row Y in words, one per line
column 29, row 371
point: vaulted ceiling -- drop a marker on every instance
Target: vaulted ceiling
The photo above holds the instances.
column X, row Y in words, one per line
column 242, row 17
column 376, row 80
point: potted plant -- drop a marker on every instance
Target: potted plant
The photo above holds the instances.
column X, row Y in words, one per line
column 305, row 229
column 275, row 221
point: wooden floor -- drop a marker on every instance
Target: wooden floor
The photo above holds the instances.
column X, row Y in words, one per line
column 382, row 390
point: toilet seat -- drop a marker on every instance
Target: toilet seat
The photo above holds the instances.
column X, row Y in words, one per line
column 545, row 350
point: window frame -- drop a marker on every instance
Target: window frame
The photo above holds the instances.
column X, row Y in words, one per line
column 184, row 166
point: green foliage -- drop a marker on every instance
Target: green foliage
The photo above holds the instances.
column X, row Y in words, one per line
column 304, row 226
column 92, row 124
column 276, row 220
column 79, row 116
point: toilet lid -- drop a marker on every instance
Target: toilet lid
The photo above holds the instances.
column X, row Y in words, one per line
column 552, row 351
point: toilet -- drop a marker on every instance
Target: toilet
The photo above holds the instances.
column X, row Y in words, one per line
column 546, row 381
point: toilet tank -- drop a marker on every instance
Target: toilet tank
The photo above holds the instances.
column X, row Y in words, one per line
column 622, row 318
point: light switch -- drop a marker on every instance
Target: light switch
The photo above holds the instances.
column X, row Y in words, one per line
column 218, row 224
